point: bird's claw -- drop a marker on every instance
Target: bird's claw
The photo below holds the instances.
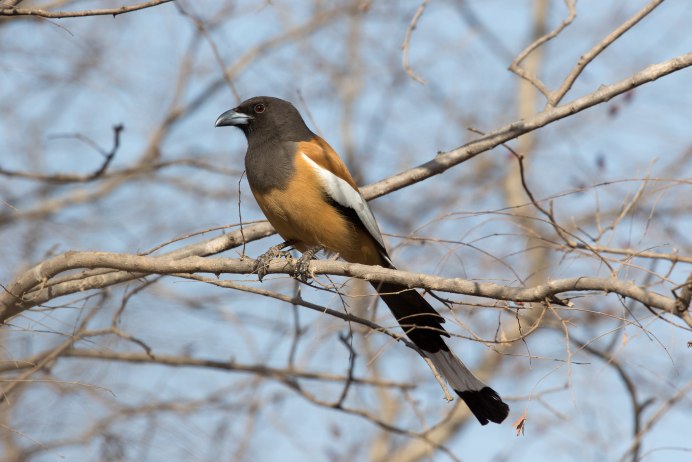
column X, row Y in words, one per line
column 261, row 266
column 302, row 269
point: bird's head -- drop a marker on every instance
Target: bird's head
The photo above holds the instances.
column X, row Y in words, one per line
column 266, row 118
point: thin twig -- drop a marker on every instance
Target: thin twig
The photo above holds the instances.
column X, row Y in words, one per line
column 407, row 41
column 202, row 27
column 62, row 178
column 556, row 96
column 347, row 341
column 521, row 72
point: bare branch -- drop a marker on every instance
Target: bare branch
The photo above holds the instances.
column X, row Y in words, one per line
column 446, row 160
column 556, row 96
column 77, row 14
column 68, row 178
column 655, row 418
column 672, row 257
column 407, row 41
column 531, row 78
column 183, row 361
column 16, row 297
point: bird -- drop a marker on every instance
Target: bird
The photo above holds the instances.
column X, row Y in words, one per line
column 308, row 195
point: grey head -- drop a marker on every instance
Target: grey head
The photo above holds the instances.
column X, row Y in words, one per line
column 265, row 119
column 272, row 127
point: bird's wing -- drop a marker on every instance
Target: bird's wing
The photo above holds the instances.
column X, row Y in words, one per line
column 338, row 184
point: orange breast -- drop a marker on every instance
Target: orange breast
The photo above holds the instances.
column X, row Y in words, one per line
column 300, row 213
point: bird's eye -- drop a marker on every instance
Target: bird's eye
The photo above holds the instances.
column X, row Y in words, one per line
column 259, row 108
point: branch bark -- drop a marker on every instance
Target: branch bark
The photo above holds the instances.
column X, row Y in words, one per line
column 18, row 296
column 76, row 14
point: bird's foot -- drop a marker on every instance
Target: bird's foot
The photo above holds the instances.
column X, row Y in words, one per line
column 262, row 262
column 302, row 269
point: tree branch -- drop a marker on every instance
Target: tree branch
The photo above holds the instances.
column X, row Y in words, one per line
column 556, row 96
column 447, row 160
column 17, row 297
column 77, row 14
column 62, row 178
column 182, row 361
column 407, row 41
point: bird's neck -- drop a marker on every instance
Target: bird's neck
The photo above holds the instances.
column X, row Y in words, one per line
column 269, row 165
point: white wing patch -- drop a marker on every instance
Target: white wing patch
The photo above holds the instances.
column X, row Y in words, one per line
column 344, row 194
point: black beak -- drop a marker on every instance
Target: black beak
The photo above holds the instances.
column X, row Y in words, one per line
column 232, row 118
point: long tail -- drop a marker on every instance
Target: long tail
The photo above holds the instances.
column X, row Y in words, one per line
column 423, row 325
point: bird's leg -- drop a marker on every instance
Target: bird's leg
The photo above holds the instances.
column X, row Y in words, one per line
column 262, row 262
column 303, row 264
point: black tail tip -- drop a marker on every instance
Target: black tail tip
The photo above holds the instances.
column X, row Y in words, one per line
column 485, row 404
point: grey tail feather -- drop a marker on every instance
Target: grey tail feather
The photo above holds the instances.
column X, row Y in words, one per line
column 423, row 325
column 483, row 401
